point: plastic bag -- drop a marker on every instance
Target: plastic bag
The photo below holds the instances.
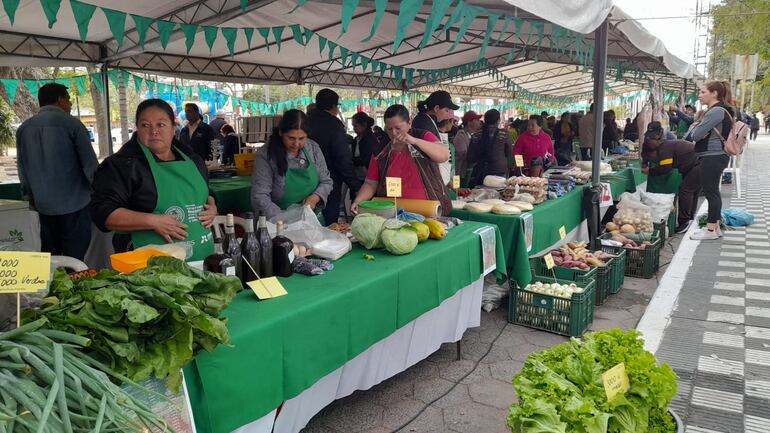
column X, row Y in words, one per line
column 480, row 193
column 734, row 217
column 302, row 226
column 631, row 211
column 660, row 205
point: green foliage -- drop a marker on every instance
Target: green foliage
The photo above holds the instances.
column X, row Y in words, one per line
column 7, row 131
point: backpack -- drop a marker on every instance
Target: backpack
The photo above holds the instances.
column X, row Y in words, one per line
column 737, row 138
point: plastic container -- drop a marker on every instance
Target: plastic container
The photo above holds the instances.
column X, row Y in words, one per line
column 570, row 317
column 382, row 208
column 599, row 276
column 132, row 260
column 617, row 271
column 639, row 263
column 244, row 163
column 331, row 249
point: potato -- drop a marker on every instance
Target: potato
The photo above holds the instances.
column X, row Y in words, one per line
column 611, row 226
column 627, row 228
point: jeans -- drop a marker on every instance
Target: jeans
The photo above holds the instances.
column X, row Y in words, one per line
column 66, row 235
column 689, row 191
column 711, row 168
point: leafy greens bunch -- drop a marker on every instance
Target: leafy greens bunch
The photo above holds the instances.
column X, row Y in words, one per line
column 561, row 390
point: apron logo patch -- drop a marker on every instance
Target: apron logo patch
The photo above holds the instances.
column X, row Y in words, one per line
column 177, row 212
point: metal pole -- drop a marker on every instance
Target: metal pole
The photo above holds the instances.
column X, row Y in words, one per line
column 600, row 70
column 106, row 84
column 751, row 98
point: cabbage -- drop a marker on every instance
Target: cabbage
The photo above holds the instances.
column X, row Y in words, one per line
column 399, row 237
column 366, row 228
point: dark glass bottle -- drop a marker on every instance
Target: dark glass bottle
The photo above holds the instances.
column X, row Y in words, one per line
column 219, row 262
column 283, row 253
column 265, row 248
column 233, row 248
column 250, row 250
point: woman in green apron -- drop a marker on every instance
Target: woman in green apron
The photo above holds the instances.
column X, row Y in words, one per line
column 289, row 169
column 154, row 189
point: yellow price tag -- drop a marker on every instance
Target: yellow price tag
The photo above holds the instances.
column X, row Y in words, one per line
column 519, row 160
column 615, row 381
column 456, row 182
column 548, row 259
column 393, row 186
column 562, row 232
column 24, row 271
column 267, row 288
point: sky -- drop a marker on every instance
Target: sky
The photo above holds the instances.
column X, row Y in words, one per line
column 677, row 34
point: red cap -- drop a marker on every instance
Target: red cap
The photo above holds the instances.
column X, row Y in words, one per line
column 470, row 116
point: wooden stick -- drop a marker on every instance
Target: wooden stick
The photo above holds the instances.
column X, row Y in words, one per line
column 18, row 309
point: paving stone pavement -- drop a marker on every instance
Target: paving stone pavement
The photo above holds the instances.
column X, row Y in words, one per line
column 718, row 339
column 478, row 386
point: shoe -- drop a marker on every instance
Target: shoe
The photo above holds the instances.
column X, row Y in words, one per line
column 704, row 235
column 681, row 228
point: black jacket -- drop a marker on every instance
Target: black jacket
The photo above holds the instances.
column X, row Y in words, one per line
column 229, row 149
column 200, row 142
column 425, row 122
column 672, row 154
column 368, row 146
column 124, row 180
column 329, row 132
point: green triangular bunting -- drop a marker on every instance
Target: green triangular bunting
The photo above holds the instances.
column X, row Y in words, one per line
column 278, row 34
column 117, row 22
column 165, row 28
column 348, row 8
column 10, row 7
column 32, row 86
column 112, row 74
column 379, row 6
column 332, row 46
column 138, row 82
column 308, row 35
column 469, row 13
column 125, row 75
column 296, row 32
column 80, row 83
column 51, row 9
column 343, row 56
column 83, row 12
column 11, row 86
column 436, row 15
column 491, row 22
column 407, row 11
column 265, row 32
column 210, row 32
column 142, row 24
column 230, row 33
column 321, row 44
column 249, row 32
column 189, row 31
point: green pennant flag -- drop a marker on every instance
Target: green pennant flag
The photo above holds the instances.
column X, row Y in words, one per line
column 117, row 22
column 81, row 83
column 300, row 3
column 297, row 34
column 249, row 32
column 436, row 15
column 383, row 67
column 278, row 34
column 365, row 63
column 125, row 76
column 142, row 24
column 409, row 76
column 375, row 66
column 253, row 108
column 407, row 11
column 210, row 32
column 33, row 87
column 308, row 35
column 188, row 90
column 491, row 23
column 51, row 9
column 244, row 3
column 280, row 107
column 469, row 14
column 262, row 108
column 288, row 104
column 11, row 86
column 225, row 99
column 343, row 56
column 244, row 106
column 503, row 30
column 180, row 91
column 518, row 23
column 152, row 86
column 348, row 8
column 398, row 72
column 112, row 74
column 353, row 59
column 539, row 26
column 189, row 31
column 83, row 12
column 162, row 88
column 321, row 44
column 265, row 32
column 379, row 7
column 10, row 7
column 165, row 28
column 332, row 46
column 137, row 82
column 203, row 92
column 230, row 33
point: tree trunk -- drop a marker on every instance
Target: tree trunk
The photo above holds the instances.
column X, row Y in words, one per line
column 102, row 134
column 123, row 105
column 24, row 105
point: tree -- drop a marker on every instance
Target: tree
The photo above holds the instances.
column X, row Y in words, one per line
column 24, row 105
column 7, row 132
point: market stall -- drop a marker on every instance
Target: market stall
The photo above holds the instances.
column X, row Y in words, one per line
column 233, row 194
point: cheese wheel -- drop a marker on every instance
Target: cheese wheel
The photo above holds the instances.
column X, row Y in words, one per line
column 478, row 207
column 505, row 209
column 493, row 201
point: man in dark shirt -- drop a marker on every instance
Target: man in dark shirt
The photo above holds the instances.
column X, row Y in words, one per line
column 197, row 134
column 328, row 131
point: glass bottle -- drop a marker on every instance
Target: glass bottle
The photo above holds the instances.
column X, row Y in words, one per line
column 265, row 248
column 250, row 250
column 233, row 248
column 283, row 253
column 219, row 262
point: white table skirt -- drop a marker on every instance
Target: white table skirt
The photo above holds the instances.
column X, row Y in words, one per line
column 407, row 346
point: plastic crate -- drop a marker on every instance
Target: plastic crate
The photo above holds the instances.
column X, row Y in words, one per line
column 603, row 283
column 570, row 317
column 577, row 276
column 618, row 271
column 639, row 263
column 673, row 221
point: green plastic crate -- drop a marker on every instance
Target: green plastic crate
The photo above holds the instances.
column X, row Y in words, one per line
column 618, row 271
column 673, row 221
column 639, row 263
column 599, row 276
column 570, row 317
column 603, row 283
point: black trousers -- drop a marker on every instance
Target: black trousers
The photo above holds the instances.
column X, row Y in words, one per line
column 753, row 135
column 689, row 191
column 66, row 235
column 711, row 168
column 584, row 154
column 331, row 212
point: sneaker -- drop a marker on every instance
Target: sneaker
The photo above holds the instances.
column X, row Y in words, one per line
column 719, row 231
column 681, row 228
column 704, row 235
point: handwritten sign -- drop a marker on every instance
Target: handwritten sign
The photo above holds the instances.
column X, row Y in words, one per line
column 548, row 259
column 24, row 271
column 393, row 186
column 562, row 232
column 456, row 182
column 266, row 288
column 519, row 160
column 615, row 381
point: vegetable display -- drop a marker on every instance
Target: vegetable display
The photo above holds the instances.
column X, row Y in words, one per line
column 147, row 323
column 576, row 255
column 554, row 289
column 399, row 237
column 629, row 243
column 561, row 389
column 47, row 384
column 631, row 220
column 396, row 236
column 366, row 228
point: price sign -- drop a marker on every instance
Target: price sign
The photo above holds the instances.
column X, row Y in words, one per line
column 24, row 271
column 519, row 160
column 562, row 232
column 393, row 186
column 456, row 182
column 548, row 259
column 266, row 288
column 615, row 381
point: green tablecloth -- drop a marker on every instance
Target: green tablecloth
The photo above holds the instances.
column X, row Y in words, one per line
column 624, row 180
column 283, row 346
column 10, row 191
column 232, row 193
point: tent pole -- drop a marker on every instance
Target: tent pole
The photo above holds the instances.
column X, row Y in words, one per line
column 106, row 95
column 600, row 70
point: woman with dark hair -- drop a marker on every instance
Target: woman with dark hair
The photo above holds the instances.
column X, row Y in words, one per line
column 535, row 147
column 610, row 131
column 154, row 190
column 230, row 144
column 564, row 134
column 436, row 108
column 490, row 150
column 412, row 155
column 289, row 169
column 365, row 145
column 708, row 136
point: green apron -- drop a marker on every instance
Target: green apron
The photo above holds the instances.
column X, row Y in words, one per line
column 299, row 183
column 182, row 192
column 665, row 184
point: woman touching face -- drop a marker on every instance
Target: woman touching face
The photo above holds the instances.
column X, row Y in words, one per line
column 294, row 141
column 396, row 127
column 155, row 130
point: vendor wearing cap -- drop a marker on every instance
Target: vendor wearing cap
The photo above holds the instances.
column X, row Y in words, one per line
column 471, row 125
column 290, row 169
column 154, row 190
column 437, row 107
